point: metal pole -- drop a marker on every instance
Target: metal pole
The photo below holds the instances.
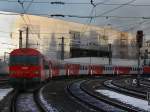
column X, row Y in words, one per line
column 138, row 75
column 139, row 39
column 27, row 37
column 20, row 38
column 4, row 56
column 110, row 54
column 62, row 48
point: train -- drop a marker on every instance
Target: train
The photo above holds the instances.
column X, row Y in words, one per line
column 29, row 67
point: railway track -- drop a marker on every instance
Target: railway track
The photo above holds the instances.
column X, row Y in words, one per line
column 77, row 91
column 25, row 102
column 59, row 100
column 126, row 86
column 69, row 96
column 108, row 100
column 73, row 96
column 138, row 95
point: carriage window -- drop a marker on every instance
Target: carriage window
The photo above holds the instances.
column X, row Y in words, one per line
column 86, row 68
column 81, row 67
column 62, row 66
column 133, row 69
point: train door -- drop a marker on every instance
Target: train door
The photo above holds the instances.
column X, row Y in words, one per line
column 50, row 69
column 72, row 69
column 108, row 70
column 83, row 70
column 42, row 69
column 146, row 70
column 55, row 70
column 134, row 70
column 62, row 69
column 122, row 70
column 95, row 70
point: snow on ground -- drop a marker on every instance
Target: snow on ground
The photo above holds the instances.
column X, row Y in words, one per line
column 4, row 92
column 46, row 105
column 139, row 103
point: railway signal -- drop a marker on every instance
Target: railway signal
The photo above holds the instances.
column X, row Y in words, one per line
column 139, row 43
column 139, row 38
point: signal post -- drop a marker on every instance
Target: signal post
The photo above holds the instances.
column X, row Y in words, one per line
column 139, row 42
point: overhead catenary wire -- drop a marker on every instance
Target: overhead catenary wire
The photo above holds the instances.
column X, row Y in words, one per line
column 93, row 8
column 96, row 15
column 116, row 8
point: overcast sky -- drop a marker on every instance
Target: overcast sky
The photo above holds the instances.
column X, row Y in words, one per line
column 125, row 15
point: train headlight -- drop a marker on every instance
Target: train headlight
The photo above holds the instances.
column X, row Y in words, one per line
column 36, row 72
column 12, row 72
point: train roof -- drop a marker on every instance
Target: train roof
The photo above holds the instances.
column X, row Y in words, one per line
column 25, row 51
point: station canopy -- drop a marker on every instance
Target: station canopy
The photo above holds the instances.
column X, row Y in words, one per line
column 125, row 15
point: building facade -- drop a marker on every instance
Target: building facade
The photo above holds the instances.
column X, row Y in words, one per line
column 57, row 38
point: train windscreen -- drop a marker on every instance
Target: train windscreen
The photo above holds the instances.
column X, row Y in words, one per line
column 24, row 60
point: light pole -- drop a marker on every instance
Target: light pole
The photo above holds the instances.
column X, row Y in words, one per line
column 21, row 30
column 27, row 37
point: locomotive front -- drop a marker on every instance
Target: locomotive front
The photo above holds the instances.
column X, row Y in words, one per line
column 25, row 68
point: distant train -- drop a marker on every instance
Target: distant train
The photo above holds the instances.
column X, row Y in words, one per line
column 29, row 67
column 4, row 69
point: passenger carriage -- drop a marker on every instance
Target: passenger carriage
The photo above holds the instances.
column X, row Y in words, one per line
column 29, row 67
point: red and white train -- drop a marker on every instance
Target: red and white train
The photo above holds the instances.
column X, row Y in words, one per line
column 28, row 67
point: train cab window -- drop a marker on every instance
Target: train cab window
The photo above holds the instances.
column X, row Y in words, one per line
column 24, row 60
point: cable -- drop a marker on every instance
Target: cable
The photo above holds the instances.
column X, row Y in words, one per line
column 106, row 12
column 30, row 3
column 94, row 6
column 135, row 25
column 76, row 3
column 24, row 11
